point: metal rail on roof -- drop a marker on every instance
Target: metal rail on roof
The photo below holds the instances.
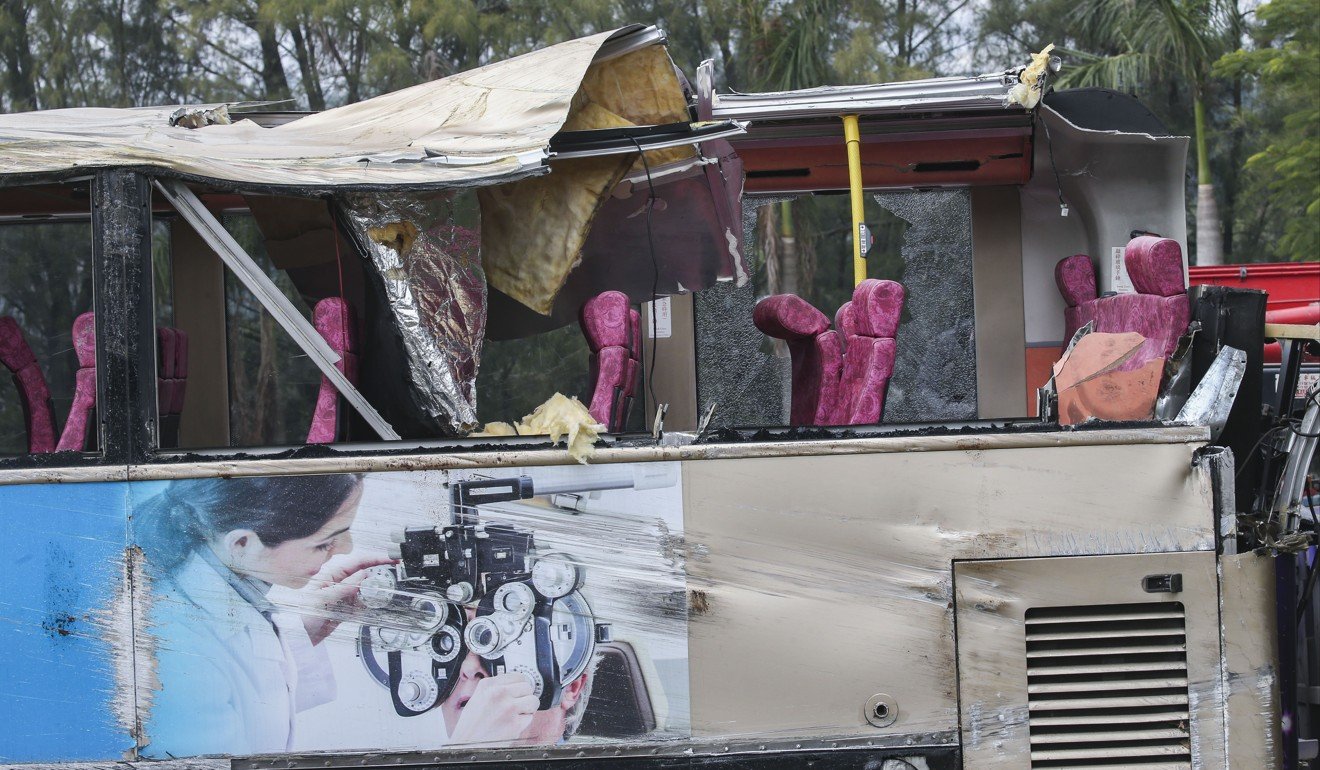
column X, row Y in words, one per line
column 981, row 92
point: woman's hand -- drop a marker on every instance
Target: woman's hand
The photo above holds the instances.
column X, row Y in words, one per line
column 500, row 709
column 326, row 596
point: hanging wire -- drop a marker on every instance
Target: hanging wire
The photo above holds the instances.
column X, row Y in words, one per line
column 655, row 272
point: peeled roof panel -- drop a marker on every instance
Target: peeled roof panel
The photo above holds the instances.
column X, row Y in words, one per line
column 483, row 126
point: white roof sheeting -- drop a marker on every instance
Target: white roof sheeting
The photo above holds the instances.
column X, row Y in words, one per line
column 478, row 127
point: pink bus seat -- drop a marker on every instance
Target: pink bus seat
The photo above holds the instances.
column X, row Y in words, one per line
column 334, row 318
column 33, row 394
column 870, row 322
column 79, row 428
column 613, row 332
column 816, row 352
column 171, row 381
column 1159, row 310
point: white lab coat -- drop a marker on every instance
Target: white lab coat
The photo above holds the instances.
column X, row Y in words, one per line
column 228, row 682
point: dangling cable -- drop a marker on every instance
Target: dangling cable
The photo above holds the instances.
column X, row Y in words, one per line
column 1058, row 184
column 655, row 273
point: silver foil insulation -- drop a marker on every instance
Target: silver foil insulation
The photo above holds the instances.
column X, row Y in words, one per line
column 435, row 289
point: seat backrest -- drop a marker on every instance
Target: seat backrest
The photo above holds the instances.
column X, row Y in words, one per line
column 870, row 322
column 816, row 352
column 33, row 393
column 613, row 333
column 336, row 322
column 626, row 711
column 1158, row 309
column 79, row 427
column 171, row 381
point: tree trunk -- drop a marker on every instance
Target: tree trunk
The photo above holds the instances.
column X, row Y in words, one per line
column 1209, row 249
column 789, row 273
column 272, row 64
column 303, row 46
column 266, row 421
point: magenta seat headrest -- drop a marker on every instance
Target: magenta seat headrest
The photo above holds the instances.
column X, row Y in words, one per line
column 14, row 351
column 845, row 321
column 789, row 317
column 604, row 320
column 1155, row 266
column 333, row 319
column 876, row 307
column 1075, row 277
column 84, row 340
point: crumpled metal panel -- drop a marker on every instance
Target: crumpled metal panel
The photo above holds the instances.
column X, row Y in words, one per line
column 436, row 292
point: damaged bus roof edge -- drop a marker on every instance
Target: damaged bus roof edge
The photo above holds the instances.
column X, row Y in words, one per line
column 486, row 126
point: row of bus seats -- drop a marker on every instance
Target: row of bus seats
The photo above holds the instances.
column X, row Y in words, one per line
column 34, row 393
column 333, row 318
column 840, row 375
column 1158, row 308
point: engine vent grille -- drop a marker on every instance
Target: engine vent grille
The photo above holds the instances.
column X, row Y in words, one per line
column 1107, row 686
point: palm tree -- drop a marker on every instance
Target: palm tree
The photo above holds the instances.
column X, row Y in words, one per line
column 790, row 51
column 1151, row 41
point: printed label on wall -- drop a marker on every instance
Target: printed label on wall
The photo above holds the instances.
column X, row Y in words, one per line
column 1118, row 271
column 662, row 313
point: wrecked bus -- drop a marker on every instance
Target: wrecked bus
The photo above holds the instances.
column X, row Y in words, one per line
column 1010, row 507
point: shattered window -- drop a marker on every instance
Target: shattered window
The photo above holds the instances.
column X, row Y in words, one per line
column 45, row 285
column 802, row 245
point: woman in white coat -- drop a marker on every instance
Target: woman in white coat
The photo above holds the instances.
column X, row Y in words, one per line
column 234, row 668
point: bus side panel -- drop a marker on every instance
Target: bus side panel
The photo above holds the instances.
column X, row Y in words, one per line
column 64, row 601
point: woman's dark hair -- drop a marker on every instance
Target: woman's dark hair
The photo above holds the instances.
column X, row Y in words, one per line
column 170, row 525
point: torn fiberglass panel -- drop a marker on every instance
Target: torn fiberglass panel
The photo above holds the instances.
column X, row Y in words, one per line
column 535, row 229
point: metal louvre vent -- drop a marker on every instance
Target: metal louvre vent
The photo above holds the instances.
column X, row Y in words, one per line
column 1107, row 686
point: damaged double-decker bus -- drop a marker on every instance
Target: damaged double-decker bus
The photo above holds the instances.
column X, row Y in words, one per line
column 472, row 424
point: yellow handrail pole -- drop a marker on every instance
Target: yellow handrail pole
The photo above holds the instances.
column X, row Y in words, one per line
column 852, row 137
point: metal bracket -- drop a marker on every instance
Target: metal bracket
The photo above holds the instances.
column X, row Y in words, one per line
column 271, row 298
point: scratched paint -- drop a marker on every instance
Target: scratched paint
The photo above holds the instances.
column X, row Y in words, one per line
column 766, row 599
column 61, row 547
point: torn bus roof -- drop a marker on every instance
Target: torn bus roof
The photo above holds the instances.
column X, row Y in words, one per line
column 481, row 127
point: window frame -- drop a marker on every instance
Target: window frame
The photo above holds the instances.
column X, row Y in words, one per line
column 120, row 220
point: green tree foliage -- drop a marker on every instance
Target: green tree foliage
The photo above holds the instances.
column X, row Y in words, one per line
column 1143, row 44
column 1285, row 172
column 1259, row 104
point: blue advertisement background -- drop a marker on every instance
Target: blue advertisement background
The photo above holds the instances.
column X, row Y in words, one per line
column 62, row 550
